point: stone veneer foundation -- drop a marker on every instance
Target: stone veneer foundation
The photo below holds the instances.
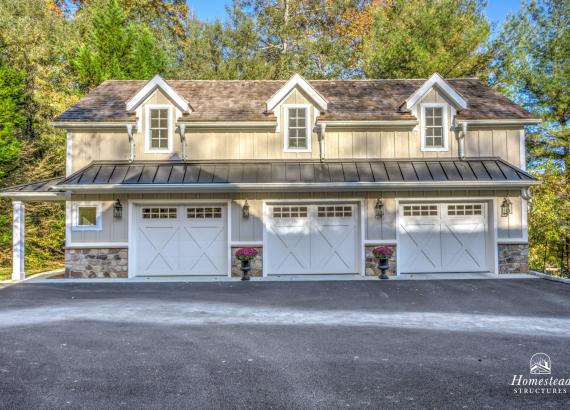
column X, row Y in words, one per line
column 96, row 263
column 372, row 262
column 256, row 265
column 513, row 258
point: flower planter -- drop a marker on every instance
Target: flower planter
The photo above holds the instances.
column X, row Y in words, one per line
column 383, row 253
column 245, row 256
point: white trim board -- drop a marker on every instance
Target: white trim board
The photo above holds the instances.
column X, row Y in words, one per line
column 436, row 81
column 157, row 82
column 102, row 245
column 297, row 81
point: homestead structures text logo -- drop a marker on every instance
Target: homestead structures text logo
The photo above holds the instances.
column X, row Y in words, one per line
column 540, row 365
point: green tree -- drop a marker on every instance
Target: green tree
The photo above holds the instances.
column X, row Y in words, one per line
column 12, row 99
column 534, row 68
column 414, row 39
column 115, row 48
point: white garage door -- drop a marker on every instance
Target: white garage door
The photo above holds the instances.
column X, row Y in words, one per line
column 311, row 239
column 180, row 240
column 451, row 237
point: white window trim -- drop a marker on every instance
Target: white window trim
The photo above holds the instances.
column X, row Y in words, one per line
column 445, row 126
column 308, row 124
column 147, row 144
column 75, row 216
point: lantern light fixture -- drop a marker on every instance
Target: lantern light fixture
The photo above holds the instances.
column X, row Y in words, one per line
column 506, row 207
column 245, row 209
column 118, row 209
column 379, row 208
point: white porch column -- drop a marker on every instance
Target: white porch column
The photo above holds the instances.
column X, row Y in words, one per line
column 18, row 236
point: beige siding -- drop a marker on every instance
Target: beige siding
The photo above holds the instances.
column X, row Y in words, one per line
column 346, row 143
column 251, row 229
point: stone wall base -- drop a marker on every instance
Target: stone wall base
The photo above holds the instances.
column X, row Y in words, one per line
column 96, row 263
column 256, row 264
column 513, row 258
column 372, row 263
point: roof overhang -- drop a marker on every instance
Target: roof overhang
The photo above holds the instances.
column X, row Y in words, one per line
column 157, row 82
column 33, row 196
column 228, row 124
column 297, row 81
column 501, row 122
column 276, row 187
column 436, row 81
column 369, row 123
column 90, row 124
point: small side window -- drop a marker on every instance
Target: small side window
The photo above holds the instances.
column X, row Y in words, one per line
column 86, row 216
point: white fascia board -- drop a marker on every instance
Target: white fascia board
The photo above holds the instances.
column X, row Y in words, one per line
column 90, row 124
column 297, row 81
column 370, row 123
column 157, row 82
column 228, row 124
column 233, row 187
column 529, row 121
column 436, row 80
column 34, row 196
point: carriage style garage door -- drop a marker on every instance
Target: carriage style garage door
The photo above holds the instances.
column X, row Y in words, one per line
column 311, row 239
column 443, row 237
column 180, row 240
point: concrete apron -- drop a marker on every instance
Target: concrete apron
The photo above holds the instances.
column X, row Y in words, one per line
column 285, row 278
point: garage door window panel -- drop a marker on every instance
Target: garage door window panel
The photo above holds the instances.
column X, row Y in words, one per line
column 159, row 213
column 204, row 213
column 290, row 212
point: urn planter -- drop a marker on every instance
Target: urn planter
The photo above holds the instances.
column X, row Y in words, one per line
column 383, row 266
column 245, row 268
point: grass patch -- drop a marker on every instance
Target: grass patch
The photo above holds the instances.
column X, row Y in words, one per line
column 6, row 271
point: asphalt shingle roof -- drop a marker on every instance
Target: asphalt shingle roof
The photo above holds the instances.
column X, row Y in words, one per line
column 245, row 100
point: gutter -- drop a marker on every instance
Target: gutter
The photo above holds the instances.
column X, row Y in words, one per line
column 280, row 186
column 370, row 123
column 90, row 125
column 529, row 121
column 34, row 196
column 228, row 124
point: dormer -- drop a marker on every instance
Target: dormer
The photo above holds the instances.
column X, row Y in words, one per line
column 296, row 106
column 158, row 107
column 435, row 104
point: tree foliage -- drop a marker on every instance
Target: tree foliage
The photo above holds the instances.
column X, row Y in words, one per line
column 414, row 39
column 116, row 48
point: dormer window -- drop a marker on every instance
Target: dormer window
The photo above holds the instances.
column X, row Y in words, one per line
column 159, row 129
column 297, row 128
column 434, row 127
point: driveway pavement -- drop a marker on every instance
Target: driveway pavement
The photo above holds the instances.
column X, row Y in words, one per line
column 324, row 345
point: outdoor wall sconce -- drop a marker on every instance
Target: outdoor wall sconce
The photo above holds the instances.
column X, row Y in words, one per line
column 118, row 209
column 379, row 208
column 245, row 209
column 506, row 207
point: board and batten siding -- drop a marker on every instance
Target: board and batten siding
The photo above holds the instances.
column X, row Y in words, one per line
column 260, row 144
column 251, row 229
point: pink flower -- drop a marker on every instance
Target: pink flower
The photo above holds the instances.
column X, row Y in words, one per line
column 382, row 251
column 246, row 254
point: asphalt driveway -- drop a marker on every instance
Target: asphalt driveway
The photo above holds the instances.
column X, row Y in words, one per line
column 329, row 345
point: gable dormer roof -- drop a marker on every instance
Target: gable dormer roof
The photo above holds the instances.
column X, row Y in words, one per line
column 157, row 83
column 436, row 81
column 297, row 81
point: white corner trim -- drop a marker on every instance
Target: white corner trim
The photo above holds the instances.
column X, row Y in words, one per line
column 445, row 124
column 436, row 80
column 75, row 216
column 522, row 143
column 68, row 154
column 297, row 81
column 18, row 240
column 308, row 127
column 147, row 133
column 157, row 82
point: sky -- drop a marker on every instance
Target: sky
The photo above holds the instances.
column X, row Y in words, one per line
column 496, row 10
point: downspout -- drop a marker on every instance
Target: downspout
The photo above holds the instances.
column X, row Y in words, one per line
column 182, row 133
column 321, row 137
column 461, row 141
column 131, row 141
